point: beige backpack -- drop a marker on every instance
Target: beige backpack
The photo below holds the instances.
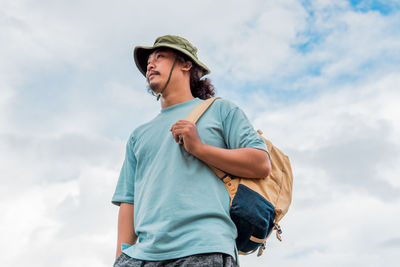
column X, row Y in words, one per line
column 256, row 205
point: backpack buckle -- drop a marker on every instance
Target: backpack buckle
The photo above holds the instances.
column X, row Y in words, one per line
column 261, row 249
column 278, row 232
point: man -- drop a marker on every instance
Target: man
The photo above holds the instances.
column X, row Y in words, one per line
column 174, row 211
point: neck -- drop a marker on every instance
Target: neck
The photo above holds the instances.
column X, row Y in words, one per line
column 173, row 99
column 176, row 93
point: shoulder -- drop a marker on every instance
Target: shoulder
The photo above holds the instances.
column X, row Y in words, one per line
column 224, row 106
column 225, row 103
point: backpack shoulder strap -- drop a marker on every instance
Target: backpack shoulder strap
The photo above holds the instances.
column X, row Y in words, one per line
column 194, row 116
column 200, row 109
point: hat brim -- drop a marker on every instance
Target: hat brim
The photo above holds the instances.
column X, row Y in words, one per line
column 141, row 55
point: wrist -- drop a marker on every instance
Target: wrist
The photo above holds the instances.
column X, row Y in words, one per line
column 198, row 150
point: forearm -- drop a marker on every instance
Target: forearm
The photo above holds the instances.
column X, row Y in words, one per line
column 126, row 228
column 242, row 162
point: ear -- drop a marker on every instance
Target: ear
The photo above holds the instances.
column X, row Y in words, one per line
column 187, row 66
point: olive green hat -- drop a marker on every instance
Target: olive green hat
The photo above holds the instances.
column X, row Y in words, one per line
column 141, row 53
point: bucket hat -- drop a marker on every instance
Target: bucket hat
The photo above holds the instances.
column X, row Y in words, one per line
column 141, row 53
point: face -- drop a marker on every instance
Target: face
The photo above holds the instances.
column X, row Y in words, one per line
column 159, row 66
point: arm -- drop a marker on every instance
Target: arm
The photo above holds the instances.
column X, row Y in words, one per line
column 243, row 162
column 126, row 228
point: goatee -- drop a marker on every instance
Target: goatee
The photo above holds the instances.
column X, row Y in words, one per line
column 154, row 88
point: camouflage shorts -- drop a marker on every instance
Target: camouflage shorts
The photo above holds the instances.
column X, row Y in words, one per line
column 200, row 260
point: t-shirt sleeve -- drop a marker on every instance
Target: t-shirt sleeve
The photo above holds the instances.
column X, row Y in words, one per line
column 124, row 191
column 239, row 133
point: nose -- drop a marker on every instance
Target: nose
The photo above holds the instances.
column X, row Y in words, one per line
column 150, row 65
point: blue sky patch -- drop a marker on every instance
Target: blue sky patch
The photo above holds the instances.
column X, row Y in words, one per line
column 383, row 7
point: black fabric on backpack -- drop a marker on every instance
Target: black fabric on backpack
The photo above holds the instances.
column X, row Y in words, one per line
column 253, row 215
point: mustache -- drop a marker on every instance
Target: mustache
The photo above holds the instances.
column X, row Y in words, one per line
column 152, row 72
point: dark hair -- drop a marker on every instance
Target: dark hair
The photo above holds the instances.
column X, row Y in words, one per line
column 201, row 88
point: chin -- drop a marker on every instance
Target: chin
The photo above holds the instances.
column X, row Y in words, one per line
column 155, row 87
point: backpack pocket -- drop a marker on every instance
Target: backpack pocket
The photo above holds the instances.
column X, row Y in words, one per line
column 253, row 216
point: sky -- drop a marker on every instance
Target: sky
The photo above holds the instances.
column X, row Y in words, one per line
column 320, row 78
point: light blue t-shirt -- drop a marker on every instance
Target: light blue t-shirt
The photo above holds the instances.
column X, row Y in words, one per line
column 181, row 207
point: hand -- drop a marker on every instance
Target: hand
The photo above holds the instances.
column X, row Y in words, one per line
column 185, row 132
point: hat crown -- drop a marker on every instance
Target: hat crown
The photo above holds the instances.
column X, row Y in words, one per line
column 176, row 41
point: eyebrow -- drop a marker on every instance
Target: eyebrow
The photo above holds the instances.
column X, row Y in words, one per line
column 154, row 53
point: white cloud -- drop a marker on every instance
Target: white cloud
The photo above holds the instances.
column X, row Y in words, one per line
column 25, row 221
column 259, row 44
column 57, row 204
column 339, row 111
